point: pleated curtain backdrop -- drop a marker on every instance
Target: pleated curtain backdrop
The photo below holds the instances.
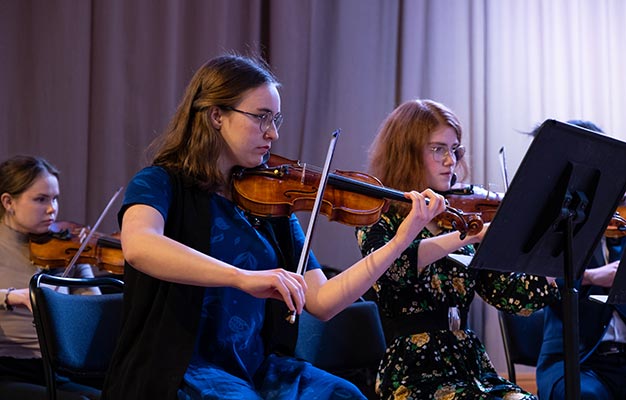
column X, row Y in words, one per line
column 89, row 83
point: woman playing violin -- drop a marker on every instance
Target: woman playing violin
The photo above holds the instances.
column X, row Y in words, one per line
column 425, row 295
column 29, row 193
column 201, row 274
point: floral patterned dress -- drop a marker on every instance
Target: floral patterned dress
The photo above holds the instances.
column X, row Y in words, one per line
column 443, row 363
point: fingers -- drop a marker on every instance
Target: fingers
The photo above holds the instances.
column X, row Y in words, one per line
column 419, row 216
column 413, row 195
column 291, row 288
column 437, row 203
column 420, row 212
column 297, row 289
column 429, row 209
column 418, row 203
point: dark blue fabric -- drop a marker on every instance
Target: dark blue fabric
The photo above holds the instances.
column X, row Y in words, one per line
column 594, row 386
column 84, row 348
column 230, row 328
column 593, row 322
column 229, row 342
column 150, row 186
column 278, row 378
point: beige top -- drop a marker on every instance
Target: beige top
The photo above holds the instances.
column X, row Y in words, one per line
column 18, row 337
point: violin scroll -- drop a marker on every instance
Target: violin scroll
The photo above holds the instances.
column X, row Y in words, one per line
column 466, row 223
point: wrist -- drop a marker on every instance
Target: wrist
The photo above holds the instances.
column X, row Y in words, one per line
column 395, row 246
column 586, row 280
column 237, row 278
column 6, row 304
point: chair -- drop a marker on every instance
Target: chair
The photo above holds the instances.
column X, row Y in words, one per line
column 522, row 338
column 349, row 345
column 77, row 334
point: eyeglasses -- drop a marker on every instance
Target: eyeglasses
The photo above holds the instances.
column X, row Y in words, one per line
column 440, row 152
column 265, row 120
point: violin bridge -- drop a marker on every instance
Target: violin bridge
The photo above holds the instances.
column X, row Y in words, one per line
column 303, row 174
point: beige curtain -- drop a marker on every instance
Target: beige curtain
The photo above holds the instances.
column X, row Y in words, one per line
column 88, row 84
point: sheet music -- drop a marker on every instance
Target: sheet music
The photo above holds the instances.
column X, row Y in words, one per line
column 461, row 258
column 600, row 298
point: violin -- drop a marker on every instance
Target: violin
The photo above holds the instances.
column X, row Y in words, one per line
column 474, row 199
column 282, row 186
column 57, row 247
column 617, row 225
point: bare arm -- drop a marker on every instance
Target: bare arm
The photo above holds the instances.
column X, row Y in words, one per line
column 602, row 276
column 148, row 250
column 326, row 298
column 438, row 247
column 17, row 297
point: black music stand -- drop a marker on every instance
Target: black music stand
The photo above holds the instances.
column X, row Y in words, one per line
column 554, row 213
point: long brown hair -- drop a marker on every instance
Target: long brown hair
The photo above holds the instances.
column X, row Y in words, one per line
column 19, row 172
column 396, row 155
column 191, row 144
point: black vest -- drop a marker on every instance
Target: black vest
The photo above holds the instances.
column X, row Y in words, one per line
column 161, row 319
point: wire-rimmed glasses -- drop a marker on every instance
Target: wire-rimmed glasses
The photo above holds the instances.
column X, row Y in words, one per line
column 266, row 119
column 440, row 152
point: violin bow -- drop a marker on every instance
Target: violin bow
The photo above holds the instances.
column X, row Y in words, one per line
column 505, row 175
column 83, row 244
column 304, row 256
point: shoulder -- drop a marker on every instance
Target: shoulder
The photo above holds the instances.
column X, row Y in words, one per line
column 150, row 181
column 151, row 186
column 150, row 176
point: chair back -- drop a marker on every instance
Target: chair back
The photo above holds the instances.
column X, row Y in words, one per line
column 77, row 333
column 353, row 339
column 522, row 338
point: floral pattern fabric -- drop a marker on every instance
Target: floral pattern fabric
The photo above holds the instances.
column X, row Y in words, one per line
column 444, row 364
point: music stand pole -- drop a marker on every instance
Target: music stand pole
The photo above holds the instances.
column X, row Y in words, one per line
column 570, row 320
column 555, row 211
